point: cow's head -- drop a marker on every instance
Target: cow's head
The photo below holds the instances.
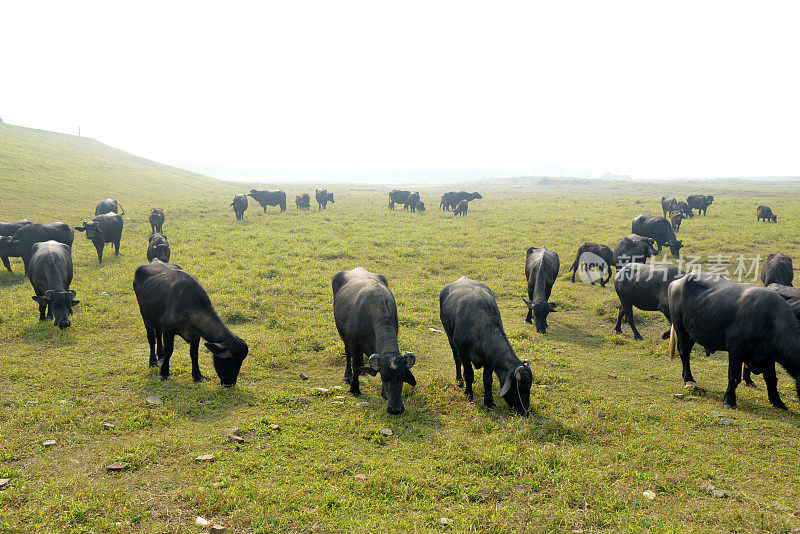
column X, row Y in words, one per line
column 421, row 206
column 476, row 195
column 6, row 243
column 162, row 252
column 252, row 193
column 228, row 358
column 516, row 388
column 675, row 247
column 541, row 310
column 92, row 228
column 394, row 369
column 330, row 198
column 60, row 304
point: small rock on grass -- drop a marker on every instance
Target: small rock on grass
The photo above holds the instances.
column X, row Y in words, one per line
column 322, row 390
column 4, row 482
column 117, row 466
column 217, row 529
column 235, row 439
column 205, row 458
column 32, row 403
column 649, row 495
column 360, row 476
column 275, row 427
column 49, row 443
column 387, row 432
column 339, row 397
column 337, row 387
column 109, row 426
column 155, row 401
column 724, row 421
column 202, row 522
column 679, row 396
column 303, row 376
column 234, row 435
column 794, row 530
column 444, row 521
column 302, row 400
column 720, row 494
column 363, row 403
column 612, row 377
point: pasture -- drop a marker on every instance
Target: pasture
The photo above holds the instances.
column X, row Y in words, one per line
column 605, row 425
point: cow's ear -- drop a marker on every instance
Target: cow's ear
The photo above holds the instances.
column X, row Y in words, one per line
column 72, row 301
column 369, row 370
column 528, row 304
column 80, row 228
column 506, row 384
column 410, row 359
column 409, row 378
column 552, row 306
column 218, row 350
column 40, row 300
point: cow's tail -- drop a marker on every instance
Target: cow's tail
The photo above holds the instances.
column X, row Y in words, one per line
column 120, row 207
column 673, row 342
column 574, row 265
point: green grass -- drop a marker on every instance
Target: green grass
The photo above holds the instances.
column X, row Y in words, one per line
column 593, row 444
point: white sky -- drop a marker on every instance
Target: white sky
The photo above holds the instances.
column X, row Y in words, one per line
column 379, row 88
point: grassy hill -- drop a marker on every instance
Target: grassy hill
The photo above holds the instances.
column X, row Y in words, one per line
column 605, row 425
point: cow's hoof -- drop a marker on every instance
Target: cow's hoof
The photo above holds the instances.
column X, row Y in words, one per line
column 461, row 383
column 199, row 379
column 153, row 364
column 751, row 385
column 638, row 338
column 355, row 393
column 528, row 321
column 163, row 378
column 780, row 405
column 729, row 406
column 618, row 330
column 665, row 335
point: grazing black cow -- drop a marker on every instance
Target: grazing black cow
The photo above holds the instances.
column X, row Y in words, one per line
column 472, row 322
column 777, row 270
column 172, row 302
column 20, row 243
column 660, row 230
column 106, row 228
column 398, row 196
column 461, row 209
column 420, row 206
column 452, row 199
column 675, row 218
column 323, row 197
column 7, row 229
column 303, row 202
column 668, row 204
column 414, row 203
column 239, row 206
column 633, row 249
column 541, row 270
column 753, row 324
column 593, row 255
column 158, row 248
column 156, row 220
column 50, row 273
column 643, row 286
column 700, row 202
column 366, row 318
column 685, row 209
column 109, row 205
column 791, row 295
column 269, row 198
column 765, row 213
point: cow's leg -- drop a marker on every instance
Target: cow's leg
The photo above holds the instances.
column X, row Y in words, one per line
column 6, row 263
column 159, row 344
column 193, row 348
column 116, row 246
column 357, row 363
column 618, row 327
column 151, row 340
column 629, row 315
column 772, row 386
column 685, row 344
column 488, row 399
column 49, row 310
column 469, row 378
column 349, row 351
column 529, row 317
column 42, row 311
column 99, row 248
column 457, row 359
column 169, row 346
column 734, row 377
column 748, row 381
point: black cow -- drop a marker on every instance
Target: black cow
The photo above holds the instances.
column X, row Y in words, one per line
column 366, row 318
column 593, row 255
column 156, row 220
column 451, row 199
column 106, row 228
column 633, row 249
column 414, row 203
column 700, row 202
column 397, row 196
column 239, row 206
column 158, row 248
column 765, row 213
column 668, row 204
column 172, row 302
column 7, row 229
column 19, row 245
column 461, row 209
column 777, row 270
column 753, row 324
column 685, row 209
column 323, row 197
column 108, row 205
column 660, row 230
column 50, row 273
column 541, row 270
column 472, row 322
column 643, row 286
column 791, row 295
column 303, row 202
column 269, row 198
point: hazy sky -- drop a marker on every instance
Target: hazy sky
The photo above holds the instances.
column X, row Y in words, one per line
column 426, row 88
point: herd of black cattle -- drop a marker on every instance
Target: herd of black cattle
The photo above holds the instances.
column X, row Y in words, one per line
column 757, row 326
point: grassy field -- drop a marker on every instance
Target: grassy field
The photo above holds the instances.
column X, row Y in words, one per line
column 605, row 426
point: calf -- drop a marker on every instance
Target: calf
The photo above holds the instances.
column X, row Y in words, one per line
column 108, row 205
column 461, row 209
column 675, row 218
column 172, row 302
column 20, row 243
column 50, row 273
column 668, row 204
column 684, row 208
column 593, row 255
column 366, row 318
column 414, row 203
column 106, row 228
column 323, row 197
column 777, row 270
column 471, row 320
column 753, row 324
column 269, row 198
column 8, row 229
column 398, row 196
column 156, row 220
column 765, row 213
column 541, row 270
column 700, row 202
column 158, row 248
column 643, row 286
column 239, row 206
column 303, row 202
column 633, row 249
column 660, row 230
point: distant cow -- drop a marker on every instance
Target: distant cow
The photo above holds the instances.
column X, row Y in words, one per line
column 700, row 202
column 106, row 228
column 303, row 202
column 239, row 206
column 541, row 270
column 269, row 198
column 323, row 197
column 593, row 255
column 19, row 245
column 633, row 249
column 414, row 203
column 753, row 324
column 660, row 230
column 668, row 204
column 684, row 208
column 109, row 205
column 471, row 320
column 50, row 273
column 366, row 318
column 158, row 248
column 765, row 213
column 8, row 229
column 452, row 199
column 172, row 302
column 675, row 218
column 645, row 287
column 461, row 209
column 156, row 220
column 397, row 196
column 777, row 270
